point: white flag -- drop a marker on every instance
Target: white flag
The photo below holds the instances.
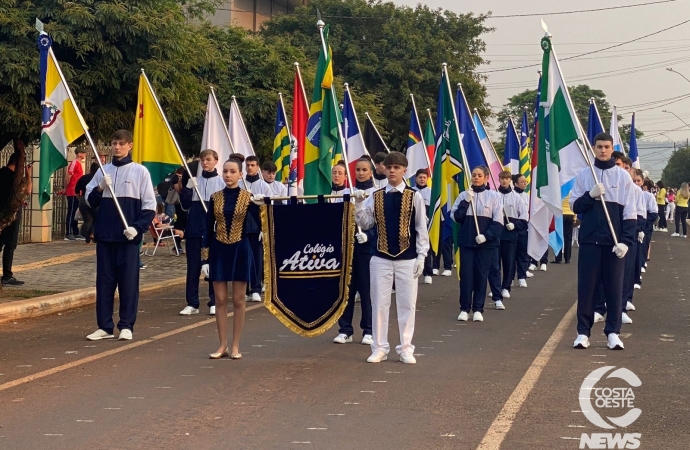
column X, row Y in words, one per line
column 238, row 132
column 215, row 135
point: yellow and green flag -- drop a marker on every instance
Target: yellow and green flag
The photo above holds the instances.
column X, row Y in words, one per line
column 281, row 145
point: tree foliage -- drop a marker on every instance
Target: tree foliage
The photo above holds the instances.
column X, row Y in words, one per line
column 677, row 170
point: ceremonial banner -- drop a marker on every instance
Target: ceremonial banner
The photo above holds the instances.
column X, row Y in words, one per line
column 307, row 264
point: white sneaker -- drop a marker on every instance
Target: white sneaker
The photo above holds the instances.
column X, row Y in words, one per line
column 499, row 304
column 614, row 342
column 407, row 358
column 685, row 235
column 125, row 335
column 532, row 267
column 582, row 341
column 637, row 286
column 529, row 274
column 629, row 306
column 342, row 338
column 522, row 282
column 98, row 335
column 367, row 339
column 358, row 298
column 212, row 311
column 463, row 316
column 256, row 297
column 598, row 317
column 427, row 280
column 542, row 267
column 645, row 264
column 643, row 270
column 477, row 317
column 446, row 273
column 665, row 230
column 505, row 293
column 626, row 318
column 377, row 356
column 675, row 235
column 435, row 271
column 189, row 310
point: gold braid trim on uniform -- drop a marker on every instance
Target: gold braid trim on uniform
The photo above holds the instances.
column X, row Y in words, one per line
column 204, row 254
column 235, row 234
column 406, row 209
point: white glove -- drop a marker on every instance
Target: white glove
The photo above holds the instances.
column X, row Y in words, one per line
column 261, row 236
column 510, row 226
column 480, row 239
column 192, row 183
column 258, row 199
column 361, row 237
column 359, row 195
column 418, row 268
column 470, row 195
column 106, row 181
column 204, row 270
column 640, row 237
column 130, row 233
column 620, row 250
column 597, row 190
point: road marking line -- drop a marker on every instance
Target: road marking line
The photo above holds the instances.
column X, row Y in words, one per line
column 64, row 259
column 504, row 420
column 88, row 359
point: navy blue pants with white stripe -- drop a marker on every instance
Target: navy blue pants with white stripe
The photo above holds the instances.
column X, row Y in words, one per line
column 522, row 259
column 117, row 266
column 475, row 263
column 596, row 265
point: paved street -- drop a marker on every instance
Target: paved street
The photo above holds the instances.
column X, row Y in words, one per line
column 513, row 379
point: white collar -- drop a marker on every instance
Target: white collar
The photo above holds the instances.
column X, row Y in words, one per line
column 400, row 188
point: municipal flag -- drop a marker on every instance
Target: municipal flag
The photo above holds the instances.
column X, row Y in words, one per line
column 525, row 166
column 416, row 150
column 470, row 139
column 154, row 146
column 238, row 131
column 372, row 139
column 430, row 144
column 215, row 135
column 300, row 115
column 281, row 144
column 354, row 141
column 61, row 121
column 492, row 161
column 511, row 154
column 615, row 132
column 594, row 125
column 633, row 145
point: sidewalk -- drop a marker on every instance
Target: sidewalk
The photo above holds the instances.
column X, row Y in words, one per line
column 66, row 270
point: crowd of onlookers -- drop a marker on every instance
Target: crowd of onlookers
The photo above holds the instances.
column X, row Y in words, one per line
column 673, row 207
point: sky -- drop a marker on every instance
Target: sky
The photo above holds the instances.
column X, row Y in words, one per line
column 633, row 76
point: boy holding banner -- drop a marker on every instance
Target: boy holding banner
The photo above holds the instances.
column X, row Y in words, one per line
column 398, row 214
column 256, row 186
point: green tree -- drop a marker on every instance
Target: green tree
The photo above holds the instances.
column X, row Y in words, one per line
column 677, row 170
column 386, row 52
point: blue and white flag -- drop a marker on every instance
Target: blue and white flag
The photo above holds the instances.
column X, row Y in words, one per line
column 594, row 125
column 416, row 150
column 633, row 145
column 354, row 142
column 511, row 154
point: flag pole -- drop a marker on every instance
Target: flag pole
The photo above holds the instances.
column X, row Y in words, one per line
column 82, row 122
column 306, row 102
column 377, row 132
column 301, row 82
column 282, row 105
column 583, row 151
column 227, row 134
column 431, row 121
column 462, row 150
column 416, row 116
column 167, row 125
column 354, row 111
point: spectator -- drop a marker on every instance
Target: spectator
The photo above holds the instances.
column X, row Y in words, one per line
column 661, row 204
column 88, row 214
column 74, row 172
column 9, row 236
column 682, row 210
column 671, row 206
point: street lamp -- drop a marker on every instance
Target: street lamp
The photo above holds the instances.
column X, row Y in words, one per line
column 678, row 117
column 674, row 142
column 670, row 69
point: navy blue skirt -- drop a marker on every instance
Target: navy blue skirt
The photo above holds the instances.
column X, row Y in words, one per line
column 231, row 262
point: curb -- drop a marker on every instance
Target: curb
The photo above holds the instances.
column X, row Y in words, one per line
column 50, row 304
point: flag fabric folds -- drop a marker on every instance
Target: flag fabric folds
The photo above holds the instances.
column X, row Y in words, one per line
column 470, row 139
column 511, row 154
column 354, row 141
column 60, row 119
column 322, row 129
column 215, row 135
column 281, row 144
column 300, row 115
column 372, row 140
column 594, row 125
column 492, row 161
column 525, row 166
column 416, row 150
column 238, row 131
column 615, row 132
column 154, row 146
column 430, row 144
column 633, row 145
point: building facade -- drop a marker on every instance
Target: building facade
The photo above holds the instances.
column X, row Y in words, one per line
column 250, row 14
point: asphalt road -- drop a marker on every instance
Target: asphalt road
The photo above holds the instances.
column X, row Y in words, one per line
column 513, row 379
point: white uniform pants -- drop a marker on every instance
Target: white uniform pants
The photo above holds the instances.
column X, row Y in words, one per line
column 382, row 273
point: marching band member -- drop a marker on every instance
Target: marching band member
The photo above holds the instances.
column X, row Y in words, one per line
column 268, row 170
column 117, row 251
column 632, row 257
column 227, row 255
column 209, row 184
column 652, row 214
column 420, row 179
column 380, row 178
column 360, row 278
column 256, row 186
column 398, row 214
column 601, row 260
column 476, row 249
column 338, row 181
column 515, row 215
column 522, row 258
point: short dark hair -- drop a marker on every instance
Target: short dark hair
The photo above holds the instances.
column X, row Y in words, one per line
column 395, row 158
column 238, row 156
column 421, row 172
column 660, row 184
column 516, row 177
column 505, row 174
column 122, row 135
column 269, row 166
column 379, row 157
column 603, row 136
column 13, row 159
column 94, row 167
column 251, row 158
column 649, row 184
column 627, row 161
column 617, row 155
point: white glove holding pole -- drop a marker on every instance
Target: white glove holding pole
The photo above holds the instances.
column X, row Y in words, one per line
column 640, row 237
column 510, row 226
column 359, row 195
column 258, row 199
column 106, row 181
column 192, row 183
column 597, row 190
column 361, row 237
column 418, row 268
column 470, row 195
column 130, row 233
column 480, row 239
column 620, row 250
column 204, row 270
column 261, row 236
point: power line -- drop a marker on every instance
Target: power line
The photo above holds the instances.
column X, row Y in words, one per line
column 580, row 11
